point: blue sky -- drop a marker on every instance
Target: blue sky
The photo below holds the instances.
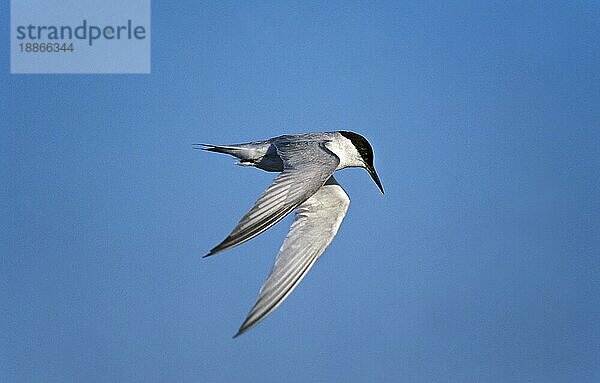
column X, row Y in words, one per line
column 479, row 264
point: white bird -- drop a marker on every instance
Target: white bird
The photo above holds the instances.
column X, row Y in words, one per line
column 306, row 184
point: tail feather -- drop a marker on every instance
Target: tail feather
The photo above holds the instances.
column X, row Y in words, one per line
column 231, row 150
column 247, row 156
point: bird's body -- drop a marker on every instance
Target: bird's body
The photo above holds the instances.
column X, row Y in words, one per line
column 263, row 154
column 306, row 184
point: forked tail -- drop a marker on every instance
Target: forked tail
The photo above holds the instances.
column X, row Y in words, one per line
column 231, row 150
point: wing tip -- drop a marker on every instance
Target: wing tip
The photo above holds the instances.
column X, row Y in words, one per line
column 240, row 332
column 214, row 251
column 220, row 247
column 244, row 328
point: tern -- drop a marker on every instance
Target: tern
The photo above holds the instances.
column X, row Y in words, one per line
column 306, row 163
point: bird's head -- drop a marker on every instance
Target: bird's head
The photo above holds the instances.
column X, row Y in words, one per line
column 365, row 154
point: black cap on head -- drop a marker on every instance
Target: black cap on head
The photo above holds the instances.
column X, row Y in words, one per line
column 366, row 153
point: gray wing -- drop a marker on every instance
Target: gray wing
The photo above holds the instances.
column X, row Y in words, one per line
column 316, row 223
column 306, row 167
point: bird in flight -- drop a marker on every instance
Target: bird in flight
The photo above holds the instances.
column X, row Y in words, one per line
column 306, row 163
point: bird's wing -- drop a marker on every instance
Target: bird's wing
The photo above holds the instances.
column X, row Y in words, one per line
column 306, row 167
column 316, row 223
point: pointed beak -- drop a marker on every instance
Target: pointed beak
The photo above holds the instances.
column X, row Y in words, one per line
column 375, row 177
